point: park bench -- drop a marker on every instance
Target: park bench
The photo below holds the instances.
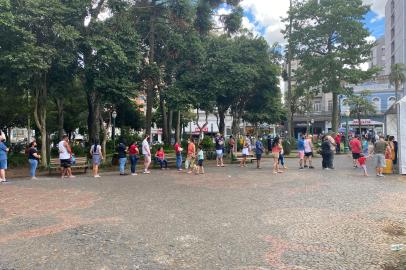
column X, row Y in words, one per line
column 250, row 158
column 171, row 159
column 80, row 163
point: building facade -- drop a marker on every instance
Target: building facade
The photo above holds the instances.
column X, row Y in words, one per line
column 395, row 34
column 378, row 56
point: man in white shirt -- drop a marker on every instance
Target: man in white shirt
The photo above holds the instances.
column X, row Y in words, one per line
column 65, row 155
column 147, row 153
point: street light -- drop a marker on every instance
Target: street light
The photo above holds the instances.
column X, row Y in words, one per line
column 312, row 121
column 347, row 114
column 113, row 130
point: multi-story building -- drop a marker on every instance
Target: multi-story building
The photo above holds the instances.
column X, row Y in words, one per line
column 395, row 34
column 378, row 56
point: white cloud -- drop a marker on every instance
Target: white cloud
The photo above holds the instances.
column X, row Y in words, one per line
column 267, row 16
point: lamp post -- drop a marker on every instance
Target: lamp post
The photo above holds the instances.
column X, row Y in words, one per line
column 347, row 115
column 312, row 122
column 113, row 130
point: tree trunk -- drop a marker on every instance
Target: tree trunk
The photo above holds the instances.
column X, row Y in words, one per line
column 359, row 123
column 40, row 115
column 165, row 129
column 236, row 124
column 334, row 117
column 170, row 122
column 60, row 106
column 222, row 122
column 201, row 128
column 289, row 56
column 93, row 103
column 177, row 131
column 105, row 132
column 29, row 128
column 397, row 86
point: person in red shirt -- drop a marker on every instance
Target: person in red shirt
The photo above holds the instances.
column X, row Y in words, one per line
column 338, row 143
column 133, row 152
column 160, row 155
column 363, row 163
column 356, row 149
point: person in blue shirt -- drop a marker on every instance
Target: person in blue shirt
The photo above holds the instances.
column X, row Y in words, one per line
column 301, row 149
column 3, row 158
column 259, row 150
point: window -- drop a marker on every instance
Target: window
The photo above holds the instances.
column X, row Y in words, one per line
column 330, row 105
column 377, row 104
column 317, row 106
column 391, row 101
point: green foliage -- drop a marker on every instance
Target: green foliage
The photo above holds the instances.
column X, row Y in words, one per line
column 207, row 143
column 397, row 77
column 17, row 160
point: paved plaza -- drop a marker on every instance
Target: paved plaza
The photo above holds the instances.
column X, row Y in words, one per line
column 230, row 218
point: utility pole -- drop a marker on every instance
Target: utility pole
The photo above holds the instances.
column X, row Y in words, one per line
column 289, row 59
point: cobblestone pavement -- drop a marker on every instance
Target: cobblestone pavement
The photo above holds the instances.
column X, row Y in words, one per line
column 230, row 218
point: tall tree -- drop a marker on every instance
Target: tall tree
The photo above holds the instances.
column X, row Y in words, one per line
column 397, row 77
column 330, row 40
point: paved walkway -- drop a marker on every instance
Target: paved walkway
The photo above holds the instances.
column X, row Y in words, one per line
column 230, row 218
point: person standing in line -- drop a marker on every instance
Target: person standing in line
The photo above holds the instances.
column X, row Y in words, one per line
column 134, row 152
column 200, row 159
column 231, row 143
column 97, row 157
column 301, row 150
column 276, row 149
column 259, row 150
column 392, row 147
column 245, row 153
column 338, row 143
column 281, row 159
column 33, row 158
column 356, row 149
column 333, row 148
column 65, row 156
column 146, row 151
column 178, row 151
column 191, row 155
column 326, row 153
column 3, row 158
column 308, row 151
column 219, row 150
column 160, row 155
column 122, row 156
column 365, row 146
column 379, row 152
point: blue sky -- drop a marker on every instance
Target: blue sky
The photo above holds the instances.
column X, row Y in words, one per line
column 264, row 17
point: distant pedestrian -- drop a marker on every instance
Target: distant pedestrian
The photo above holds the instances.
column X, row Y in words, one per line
column 338, row 143
column 276, row 149
column 134, row 154
column 146, row 151
column 379, row 151
column 308, row 151
column 281, row 159
column 245, row 153
column 365, row 145
column 219, row 150
column 178, row 152
column 191, row 156
column 356, row 149
column 231, row 144
column 65, row 157
column 33, row 159
column 160, row 156
column 200, row 159
column 363, row 164
column 301, row 150
column 326, row 154
column 122, row 156
column 97, row 157
column 3, row 158
column 333, row 148
column 259, row 150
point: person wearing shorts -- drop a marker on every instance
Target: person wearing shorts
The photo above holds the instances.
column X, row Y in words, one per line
column 308, row 151
column 3, row 158
column 379, row 151
column 245, row 153
column 200, row 159
column 276, row 149
column 65, row 155
column 146, row 151
column 191, row 155
column 219, row 150
column 301, row 149
column 97, row 156
column 356, row 149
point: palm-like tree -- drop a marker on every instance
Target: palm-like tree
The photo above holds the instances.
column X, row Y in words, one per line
column 397, row 77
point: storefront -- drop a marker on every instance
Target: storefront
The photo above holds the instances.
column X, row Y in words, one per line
column 367, row 125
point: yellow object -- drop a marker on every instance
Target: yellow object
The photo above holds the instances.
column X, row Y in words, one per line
column 389, row 167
